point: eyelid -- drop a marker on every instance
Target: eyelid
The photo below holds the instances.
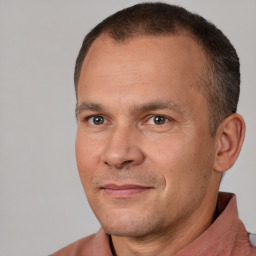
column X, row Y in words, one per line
column 87, row 118
column 168, row 118
column 106, row 119
column 90, row 120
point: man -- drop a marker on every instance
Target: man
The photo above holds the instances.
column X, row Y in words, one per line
column 157, row 90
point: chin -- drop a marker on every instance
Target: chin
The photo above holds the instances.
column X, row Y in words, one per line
column 124, row 230
column 130, row 226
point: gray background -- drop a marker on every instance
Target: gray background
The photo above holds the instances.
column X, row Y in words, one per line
column 43, row 206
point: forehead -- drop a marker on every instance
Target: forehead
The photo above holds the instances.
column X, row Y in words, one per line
column 156, row 61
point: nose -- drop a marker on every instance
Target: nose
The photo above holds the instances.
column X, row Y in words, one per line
column 122, row 149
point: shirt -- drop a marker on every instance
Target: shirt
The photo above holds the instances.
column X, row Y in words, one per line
column 226, row 236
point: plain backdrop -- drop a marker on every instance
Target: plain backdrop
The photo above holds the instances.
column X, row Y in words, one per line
column 43, row 206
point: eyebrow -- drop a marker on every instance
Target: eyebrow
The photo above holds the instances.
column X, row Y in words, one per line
column 88, row 106
column 141, row 108
column 157, row 105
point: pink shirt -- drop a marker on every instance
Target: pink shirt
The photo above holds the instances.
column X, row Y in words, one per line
column 225, row 237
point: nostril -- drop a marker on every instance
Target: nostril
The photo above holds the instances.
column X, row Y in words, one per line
column 106, row 163
column 120, row 165
column 126, row 162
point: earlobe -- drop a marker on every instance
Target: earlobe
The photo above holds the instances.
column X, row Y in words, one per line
column 229, row 141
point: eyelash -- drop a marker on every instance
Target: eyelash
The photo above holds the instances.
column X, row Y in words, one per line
column 167, row 119
column 86, row 119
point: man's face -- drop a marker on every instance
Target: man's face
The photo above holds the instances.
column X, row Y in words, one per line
column 144, row 150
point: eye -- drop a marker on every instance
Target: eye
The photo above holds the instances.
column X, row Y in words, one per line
column 157, row 120
column 96, row 120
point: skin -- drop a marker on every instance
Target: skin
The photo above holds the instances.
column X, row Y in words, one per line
column 153, row 186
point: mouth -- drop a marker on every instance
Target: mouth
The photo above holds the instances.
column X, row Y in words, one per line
column 122, row 191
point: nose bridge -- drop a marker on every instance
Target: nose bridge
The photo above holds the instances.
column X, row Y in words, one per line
column 122, row 148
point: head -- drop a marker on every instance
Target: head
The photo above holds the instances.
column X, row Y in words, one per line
column 220, row 77
column 157, row 89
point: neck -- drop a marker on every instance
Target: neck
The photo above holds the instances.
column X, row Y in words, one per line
column 173, row 239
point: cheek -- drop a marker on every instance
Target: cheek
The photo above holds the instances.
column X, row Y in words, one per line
column 165, row 158
column 182, row 161
column 168, row 153
column 87, row 158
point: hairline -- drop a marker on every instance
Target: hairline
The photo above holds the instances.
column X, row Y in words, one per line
column 205, row 79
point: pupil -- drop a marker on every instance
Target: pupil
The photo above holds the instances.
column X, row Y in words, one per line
column 159, row 120
column 98, row 120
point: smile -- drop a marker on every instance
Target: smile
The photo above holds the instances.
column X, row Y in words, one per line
column 121, row 191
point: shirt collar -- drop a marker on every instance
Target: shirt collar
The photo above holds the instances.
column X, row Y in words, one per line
column 219, row 238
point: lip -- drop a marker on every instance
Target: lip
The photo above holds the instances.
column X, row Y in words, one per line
column 125, row 190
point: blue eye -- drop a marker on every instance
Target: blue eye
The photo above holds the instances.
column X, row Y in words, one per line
column 96, row 120
column 157, row 120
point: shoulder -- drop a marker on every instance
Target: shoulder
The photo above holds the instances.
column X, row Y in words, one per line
column 244, row 242
column 252, row 239
column 83, row 247
column 93, row 245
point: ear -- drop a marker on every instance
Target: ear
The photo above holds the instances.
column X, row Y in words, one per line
column 229, row 141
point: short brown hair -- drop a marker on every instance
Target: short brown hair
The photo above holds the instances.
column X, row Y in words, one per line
column 220, row 80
